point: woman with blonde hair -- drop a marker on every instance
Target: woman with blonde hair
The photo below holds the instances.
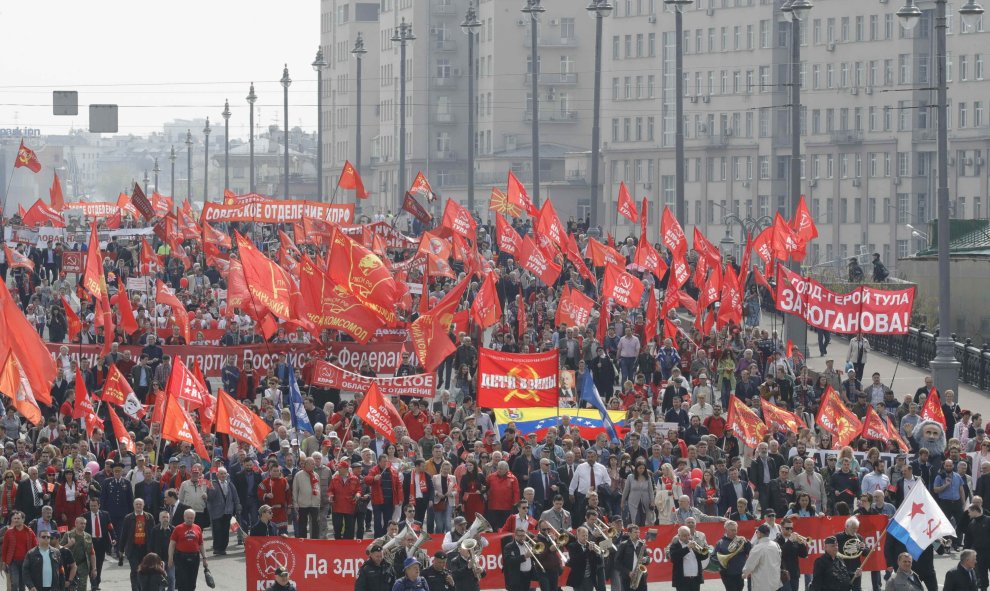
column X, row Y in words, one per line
column 667, row 491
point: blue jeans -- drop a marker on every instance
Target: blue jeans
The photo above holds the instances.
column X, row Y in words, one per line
column 16, row 577
column 628, row 367
column 441, row 519
column 381, row 515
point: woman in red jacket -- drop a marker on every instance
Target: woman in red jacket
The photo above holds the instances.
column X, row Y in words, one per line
column 386, row 492
column 345, row 490
column 472, row 490
column 70, row 499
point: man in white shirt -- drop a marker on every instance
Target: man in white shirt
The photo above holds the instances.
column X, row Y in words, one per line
column 587, row 478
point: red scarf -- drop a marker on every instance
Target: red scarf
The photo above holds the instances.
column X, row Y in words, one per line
column 315, row 481
column 421, row 479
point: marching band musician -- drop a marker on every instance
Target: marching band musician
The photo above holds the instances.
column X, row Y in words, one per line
column 375, row 574
column 626, row 561
column 731, row 574
column 452, row 539
column 520, row 520
column 852, row 547
column 408, row 539
column 463, row 571
column 549, row 577
column 438, row 578
column 792, row 549
column 587, row 565
column 518, row 565
column 686, row 555
column 697, row 536
column 830, row 572
column 391, row 532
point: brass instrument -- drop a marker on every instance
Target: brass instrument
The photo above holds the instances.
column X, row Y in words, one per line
column 534, row 547
column 852, row 549
column 639, row 568
column 735, row 547
column 702, row 551
column 480, row 526
column 422, row 539
column 474, row 547
column 390, row 548
column 798, row 538
column 382, row 541
column 606, row 544
column 559, row 540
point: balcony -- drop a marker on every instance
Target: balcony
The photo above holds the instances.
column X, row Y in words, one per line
column 446, row 155
column 553, row 116
column 525, row 177
column 447, row 118
column 451, row 81
column 445, row 45
column 924, row 135
column 554, row 79
column 551, row 41
column 444, row 10
column 846, row 137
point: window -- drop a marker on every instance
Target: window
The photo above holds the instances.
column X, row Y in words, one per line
column 616, row 45
column 651, row 44
column 639, row 45
column 903, row 69
column 963, row 68
column 962, row 118
column 764, row 164
column 844, row 29
column 615, row 89
column 765, row 34
column 615, row 129
column 977, row 113
column 903, row 208
column 860, row 26
column 874, row 27
column 978, row 66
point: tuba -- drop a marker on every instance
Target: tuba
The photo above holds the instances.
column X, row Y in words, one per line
column 382, row 541
column 475, row 562
column 639, row 568
column 480, row 526
column 735, row 547
column 390, row 548
column 423, row 538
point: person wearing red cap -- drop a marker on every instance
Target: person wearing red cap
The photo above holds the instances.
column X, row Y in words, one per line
column 386, row 493
column 345, row 490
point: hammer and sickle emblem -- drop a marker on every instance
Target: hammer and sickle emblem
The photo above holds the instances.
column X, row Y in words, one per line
column 523, row 372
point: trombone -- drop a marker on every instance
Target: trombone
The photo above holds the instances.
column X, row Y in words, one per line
column 606, row 544
column 534, row 547
column 559, row 540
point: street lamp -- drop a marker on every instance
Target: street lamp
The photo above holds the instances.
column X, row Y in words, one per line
column 749, row 226
column 171, row 159
column 598, row 10
column 155, row 170
column 286, row 82
column 251, row 98
column 534, row 10
column 226, row 144
column 318, row 65
column 795, row 327
column 189, row 144
column 358, row 53
column 945, row 368
column 146, row 181
column 206, row 161
column 470, row 27
column 403, row 35
column 680, row 205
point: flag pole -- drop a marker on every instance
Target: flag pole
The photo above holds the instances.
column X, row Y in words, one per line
column 880, row 540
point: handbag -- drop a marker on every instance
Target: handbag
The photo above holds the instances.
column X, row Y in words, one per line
column 209, row 577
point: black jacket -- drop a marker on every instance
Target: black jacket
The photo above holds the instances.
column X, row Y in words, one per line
column 978, row 534
column 512, row 559
column 830, row 574
column 780, row 494
column 727, row 496
column 33, row 565
column 958, row 579
column 756, row 471
column 578, row 558
column 103, row 542
column 625, row 561
column 263, row 529
column 436, row 579
column 790, row 554
column 374, row 577
column 677, row 554
column 158, row 540
column 127, row 530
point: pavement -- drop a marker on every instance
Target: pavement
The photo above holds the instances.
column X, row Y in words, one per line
column 230, row 574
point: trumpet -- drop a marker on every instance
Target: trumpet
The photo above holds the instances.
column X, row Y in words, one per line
column 698, row 548
column 798, row 538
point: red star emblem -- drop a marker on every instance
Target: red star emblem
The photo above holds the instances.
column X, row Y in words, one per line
column 916, row 508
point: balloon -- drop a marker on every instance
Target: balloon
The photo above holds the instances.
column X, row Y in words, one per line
column 696, row 473
column 695, row 482
column 93, row 468
column 184, row 283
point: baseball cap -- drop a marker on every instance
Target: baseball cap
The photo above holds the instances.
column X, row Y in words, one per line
column 281, row 571
column 764, row 529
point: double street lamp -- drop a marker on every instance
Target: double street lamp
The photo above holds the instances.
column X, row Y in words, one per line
column 155, row 170
column 286, row 81
column 189, row 145
column 206, row 162
column 680, row 205
column 403, row 35
column 319, row 64
column 470, row 27
column 251, row 98
column 171, row 159
column 945, row 368
column 226, row 144
column 598, row 10
column 534, row 9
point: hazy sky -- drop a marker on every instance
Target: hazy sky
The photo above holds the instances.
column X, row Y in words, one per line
column 157, row 60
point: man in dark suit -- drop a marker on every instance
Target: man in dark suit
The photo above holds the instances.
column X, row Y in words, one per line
column 518, row 565
column 963, row 577
column 30, row 496
column 418, row 485
column 763, row 469
column 625, row 560
column 545, row 483
column 565, row 472
column 733, row 490
column 98, row 526
column 135, row 532
column 687, row 575
column 581, row 556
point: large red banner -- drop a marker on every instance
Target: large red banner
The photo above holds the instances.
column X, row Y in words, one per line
column 327, row 375
column 513, row 380
column 277, row 211
column 872, row 311
column 380, row 357
column 316, row 565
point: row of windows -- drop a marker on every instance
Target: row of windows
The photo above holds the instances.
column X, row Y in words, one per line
column 636, row 46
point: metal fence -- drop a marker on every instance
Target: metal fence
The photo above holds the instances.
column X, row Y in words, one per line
column 918, row 348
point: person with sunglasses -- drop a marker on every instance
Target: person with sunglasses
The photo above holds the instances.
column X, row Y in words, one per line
column 34, row 575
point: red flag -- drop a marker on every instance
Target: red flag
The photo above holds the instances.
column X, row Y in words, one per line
column 55, row 193
column 238, row 296
column 41, row 214
column 377, row 411
column 536, row 261
column 521, row 317
column 165, row 295
column 623, row 288
column 83, row 406
column 625, row 204
column 896, row 436
column 141, row 203
column 548, row 224
column 509, row 241
column 730, row 307
column 648, row 258
column 517, row 196
column 236, row 420
column 177, row 425
column 643, row 219
column 601, row 254
column 429, row 331
column 874, row 428
column 652, row 315
column 706, row 249
column 115, row 221
column 124, row 440
column 117, row 391
column 746, row 424
column 499, row 203
column 328, row 306
column 434, row 243
column 16, row 259
column 762, row 245
column 421, row 186
column 362, row 273
column 350, row 179
column 745, row 264
column 73, row 323
column 19, row 336
column 221, row 239
column 712, row 289
column 932, row 410
column 804, row 228
column 27, row 157
column 758, row 275
column 574, row 308
column 790, row 348
column 267, row 282
column 458, row 219
column 785, row 242
column 412, row 206
column 781, row 419
column 184, row 385
column 151, row 263
column 680, row 272
column 93, row 280
column 518, row 380
column 207, row 412
column 574, row 255
column 834, row 417
column 672, row 235
column 603, row 317
column 486, row 309
column 14, row 383
column 127, row 320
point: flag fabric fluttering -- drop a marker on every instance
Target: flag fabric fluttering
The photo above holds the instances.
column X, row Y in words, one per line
column 919, row 522
column 300, row 420
column 589, row 394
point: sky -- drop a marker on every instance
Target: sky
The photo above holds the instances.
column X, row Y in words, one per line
column 158, row 61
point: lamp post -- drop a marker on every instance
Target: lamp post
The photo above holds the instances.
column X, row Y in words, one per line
column 171, row 159
column 680, row 204
column 251, row 98
column 358, row 53
column 226, row 144
column 749, row 226
column 598, row 10
column 795, row 328
column 146, row 181
column 945, row 368
column 470, row 27
column 319, row 64
column 403, row 35
column 534, row 10
column 286, row 82
column 206, row 161
column 155, row 170
column 189, row 144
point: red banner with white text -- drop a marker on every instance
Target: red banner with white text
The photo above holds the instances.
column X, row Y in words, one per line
column 315, row 565
column 872, row 311
column 515, row 380
column 327, row 375
column 273, row 211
